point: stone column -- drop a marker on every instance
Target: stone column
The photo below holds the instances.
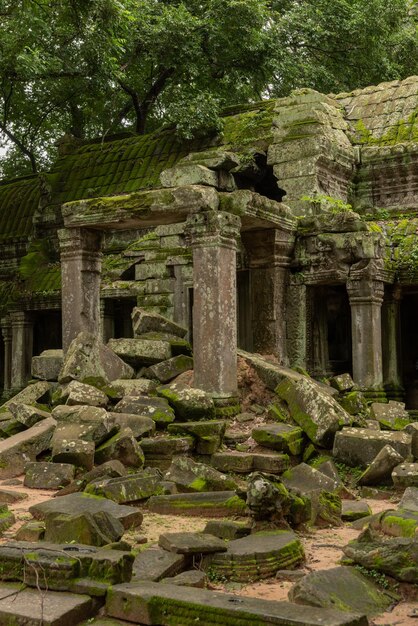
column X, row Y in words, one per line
column 297, row 313
column 80, row 271
column 6, row 329
column 366, row 297
column 268, row 252
column 22, row 349
column 107, row 323
column 213, row 237
column 392, row 376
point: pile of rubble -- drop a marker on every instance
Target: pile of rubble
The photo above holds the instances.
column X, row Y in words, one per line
column 116, row 431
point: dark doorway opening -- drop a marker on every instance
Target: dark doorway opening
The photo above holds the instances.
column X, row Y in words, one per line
column 244, row 311
column 409, row 348
column 47, row 331
column 122, row 320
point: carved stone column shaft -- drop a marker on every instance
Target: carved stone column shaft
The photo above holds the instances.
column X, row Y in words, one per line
column 366, row 297
column 6, row 329
column 213, row 237
column 392, row 376
column 81, row 272
column 22, row 349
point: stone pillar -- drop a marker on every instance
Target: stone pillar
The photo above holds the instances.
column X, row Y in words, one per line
column 213, row 237
column 366, row 297
column 320, row 354
column 107, row 323
column 80, row 271
column 268, row 252
column 297, row 313
column 392, row 376
column 6, row 329
column 22, row 349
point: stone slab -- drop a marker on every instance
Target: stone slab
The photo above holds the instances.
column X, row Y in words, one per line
column 80, row 502
column 155, row 563
column 144, row 321
column 139, row 352
column 191, row 543
column 359, row 446
column 153, row 604
column 17, row 450
column 28, row 607
column 405, row 475
column 208, row 504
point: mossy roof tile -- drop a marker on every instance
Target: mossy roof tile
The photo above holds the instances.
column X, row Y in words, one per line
column 19, row 200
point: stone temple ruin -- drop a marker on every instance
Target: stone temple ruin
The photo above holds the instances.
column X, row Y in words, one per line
column 137, row 259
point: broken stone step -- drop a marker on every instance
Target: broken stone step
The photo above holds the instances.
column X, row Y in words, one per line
column 20, row 607
column 83, row 502
column 154, row 604
column 16, row 451
column 257, row 556
column 210, row 504
column 359, row 446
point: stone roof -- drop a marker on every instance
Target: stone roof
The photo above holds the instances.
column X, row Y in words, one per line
column 19, row 200
column 384, row 114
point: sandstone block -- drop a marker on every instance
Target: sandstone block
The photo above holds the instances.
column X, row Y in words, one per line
column 359, row 446
column 16, row 451
column 139, row 352
column 47, row 365
column 48, row 475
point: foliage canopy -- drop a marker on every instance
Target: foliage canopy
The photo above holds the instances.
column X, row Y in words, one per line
column 94, row 67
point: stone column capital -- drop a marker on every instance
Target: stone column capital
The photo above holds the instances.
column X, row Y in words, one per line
column 270, row 247
column 20, row 318
column 79, row 242
column 213, row 229
column 365, row 291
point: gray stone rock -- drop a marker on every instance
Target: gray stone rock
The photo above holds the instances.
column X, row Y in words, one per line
column 134, row 387
column 75, row 452
column 359, row 446
column 157, row 409
column 7, row 518
column 31, row 531
column 130, row 517
column 391, row 416
column 26, row 414
column 344, row 587
column 189, row 476
column 166, row 447
column 47, row 365
column 145, row 321
column 156, row 601
column 354, row 403
column 16, row 451
column 141, row 425
column 11, row 497
column 129, row 488
column 380, row 469
column 409, row 500
column 48, row 475
column 91, row 529
column 138, row 352
column 155, row 563
column 189, row 404
column 29, row 395
column 124, row 447
column 213, row 504
column 353, row 510
column 88, row 358
column 191, row 543
column 343, row 382
column 405, row 475
column 318, row 414
column 412, row 429
column 110, row 469
column 191, row 578
column 79, row 393
column 282, row 437
column 208, row 434
column 304, row 479
column 167, row 370
column 227, row 529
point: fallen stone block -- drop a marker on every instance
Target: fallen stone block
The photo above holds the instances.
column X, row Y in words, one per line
column 177, row 344
column 380, row 469
column 33, row 531
column 189, row 476
column 208, row 434
column 273, row 462
column 26, row 414
column 76, row 393
column 64, row 567
column 16, row 451
column 140, row 425
column 21, row 607
column 163, row 605
column 47, row 365
column 211, row 504
column 118, row 389
column 29, row 395
column 394, row 556
column 139, row 352
column 155, row 563
column 270, row 373
column 92, row 529
column 409, row 500
column 344, row 587
column 130, row 517
column 281, row 437
column 191, row 543
column 354, row 403
column 166, row 447
column 191, row 578
column 353, row 510
column 405, row 475
column 130, row 488
column 258, row 556
column 226, row 529
column 304, row 479
column 412, row 429
column 359, row 446
column 88, row 358
column 318, row 414
column 48, row 475
column 391, row 416
column 188, row 403
column 399, row 523
column 157, row 409
column 124, row 447
column 144, row 321
column 11, row 497
column 110, row 469
column 167, row 370
column 74, row 452
column 342, row 382
column 7, row 518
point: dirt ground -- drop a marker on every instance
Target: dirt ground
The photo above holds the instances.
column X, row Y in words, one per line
column 323, row 548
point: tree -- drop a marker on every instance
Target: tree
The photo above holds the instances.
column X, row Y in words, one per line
column 93, row 67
